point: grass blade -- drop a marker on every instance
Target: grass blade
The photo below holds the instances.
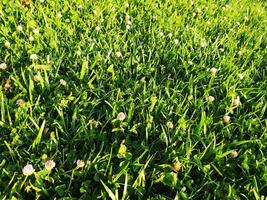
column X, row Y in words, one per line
column 39, row 136
column 110, row 193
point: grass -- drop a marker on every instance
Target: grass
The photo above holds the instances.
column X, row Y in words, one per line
column 73, row 66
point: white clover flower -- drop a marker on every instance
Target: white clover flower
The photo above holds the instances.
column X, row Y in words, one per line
column 170, row 35
column 213, row 71
column 202, row 44
column 102, row 20
column 211, row 99
column 121, row 116
column 97, row 28
column 78, row 53
column 126, row 4
column 42, row 1
column 194, row 14
column 234, row 154
column 19, row 28
column 27, row 170
column 80, row 163
column 238, row 23
column 3, row 66
column 62, row 82
column 190, row 62
column 170, row 125
column 7, row 44
column 36, row 78
column 177, row 166
column 49, row 165
column 176, row 41
column 118, row 54
column 237, row 101
column 161, row 34
column 226, row 119
column 221, row 50
column 128, row 26
column 59, row 15
column 33, row 57
column 113, row 9
column 80, row 7
column 241, row 76
column 20, row 102
column 35, row 31
column 129, row 22
column 31, row 38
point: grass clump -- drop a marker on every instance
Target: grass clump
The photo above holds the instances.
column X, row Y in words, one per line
column 137, row 100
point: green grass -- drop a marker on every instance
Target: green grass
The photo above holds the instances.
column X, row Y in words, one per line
column 150, row 60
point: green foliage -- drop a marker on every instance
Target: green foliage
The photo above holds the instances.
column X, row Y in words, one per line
column 69, row 68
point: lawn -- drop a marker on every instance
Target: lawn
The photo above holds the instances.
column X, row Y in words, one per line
column 145, row 99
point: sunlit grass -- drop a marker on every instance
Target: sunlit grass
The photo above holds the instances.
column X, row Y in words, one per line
column 133, row 100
